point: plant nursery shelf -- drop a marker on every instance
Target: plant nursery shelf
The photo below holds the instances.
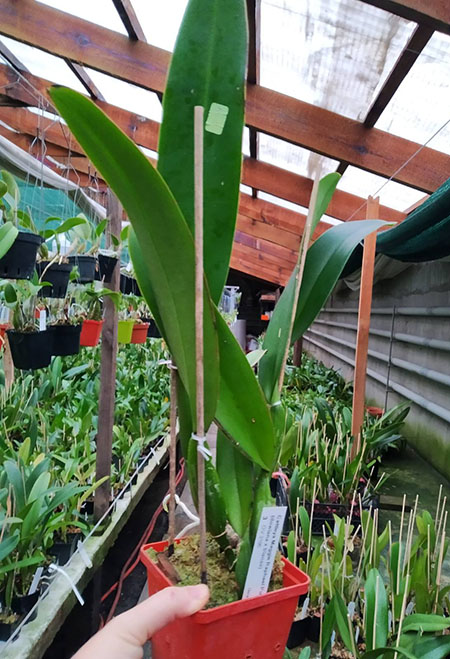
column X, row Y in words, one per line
column 37, row 635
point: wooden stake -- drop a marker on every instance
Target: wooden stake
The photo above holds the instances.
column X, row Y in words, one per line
column 199, row 373
column 362, row 338
column 107, row 376
column 172, row 456
column 8, row 365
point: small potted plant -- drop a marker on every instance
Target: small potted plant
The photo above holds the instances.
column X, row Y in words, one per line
column 126, row 323
column 108, row 258
column 139, row 312
column 86, row 239
column 30, row 347
column 90, row 309
column 19, row 261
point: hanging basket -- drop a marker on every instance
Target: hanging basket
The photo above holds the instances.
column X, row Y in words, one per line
column 86, row 267
column 90, row 332
column 139, row 334
column 30, row 350
column 66, row 339
column 152, row 330
column 254, row 628
column 126, row 284
column 125, row 330
column 20, row 260
column 57, row 275
column 106, row 266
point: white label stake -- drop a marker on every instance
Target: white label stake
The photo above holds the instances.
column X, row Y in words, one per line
column 42, row 320
column 264, row 550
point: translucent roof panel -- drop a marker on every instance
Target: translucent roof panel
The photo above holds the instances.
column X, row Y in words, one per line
column 294, row 158
column 160, row 20
column 421, row 105
column 127, row 96
column 331, row 53
column 43, row 64
column 101, row 12
column 392, row 194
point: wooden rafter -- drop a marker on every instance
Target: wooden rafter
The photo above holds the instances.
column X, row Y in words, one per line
column 9, row 56
column 268, row 111
column 433, row 13
column 416, row 43
column 254, row 38
column 268, row 178
column 130, row 20
column 85, row 79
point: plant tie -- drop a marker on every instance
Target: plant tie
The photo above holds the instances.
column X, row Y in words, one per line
column 169, row 363
column 55, row 568
column 187, row 512
column 202, row 448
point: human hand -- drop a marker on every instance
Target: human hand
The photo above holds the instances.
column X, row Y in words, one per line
column 124, row 636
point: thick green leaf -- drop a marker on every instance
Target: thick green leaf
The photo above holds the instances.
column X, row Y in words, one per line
column 432, row 648
column 255, row 356
column 294, row 490
column 166, row 274
column 208, row 67
column 425, row 623
column 327, row 186
column 376, row 617
column 8, row 234
column 341, row 614
column 235, row 473
column 7, row 545
column 243, row 561
column 291, row 547
column 325, row 261
column 241, row 410
column 387, row 653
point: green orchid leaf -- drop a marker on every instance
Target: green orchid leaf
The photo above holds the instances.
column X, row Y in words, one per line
column 387, row 653
column 166, row 274
column 235, row 473
column 291, row 547
column 242, row 413
column 327, row 186
column 8, row 544
column 208, row 69
column 421, row 622
column 255, row 356
column 377, row 625
column 325, row 261
column 341, row 616
column 8, row 234
column 436, row 647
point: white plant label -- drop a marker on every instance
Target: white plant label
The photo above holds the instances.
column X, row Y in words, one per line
column 264, row 550
column 42, row 320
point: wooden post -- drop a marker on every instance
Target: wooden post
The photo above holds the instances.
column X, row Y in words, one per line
column 199, row 372
column 297, row 356
column 107, row 375
column 362, row 337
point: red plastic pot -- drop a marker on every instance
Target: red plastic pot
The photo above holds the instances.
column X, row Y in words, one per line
column 254, row 628
column 139, row 334
column 90, row 332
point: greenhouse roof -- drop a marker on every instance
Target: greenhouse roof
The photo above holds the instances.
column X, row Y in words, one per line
column 357, row 86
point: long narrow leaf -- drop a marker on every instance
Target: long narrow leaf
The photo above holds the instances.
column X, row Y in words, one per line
column 8, row 234
column 208, row 69
column 167, row 269
column 235, row 475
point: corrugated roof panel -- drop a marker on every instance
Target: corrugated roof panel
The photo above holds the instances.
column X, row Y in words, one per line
column 294, row 158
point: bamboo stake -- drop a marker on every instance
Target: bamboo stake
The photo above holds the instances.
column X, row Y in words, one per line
column 397, row 590
column 439, row 566
column 296, row 532
column 437, row 507
column 199, row 372
column 402, row 614
column 304, row 244
column 172, row 456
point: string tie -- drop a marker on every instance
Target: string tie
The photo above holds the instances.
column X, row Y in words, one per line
column 202, row 448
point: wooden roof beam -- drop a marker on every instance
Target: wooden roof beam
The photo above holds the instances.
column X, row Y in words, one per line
column 85, row 79
column 416, row 43
column 130, row 20
column 254, row 35
column 266, row 110
column 432, row 13
column 255, row 174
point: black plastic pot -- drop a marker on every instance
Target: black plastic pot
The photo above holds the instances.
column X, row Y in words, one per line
column 57, row 275
column 66, row 339
column 106, row 265
column 86, row 267
column 135, row 288
column 63, row 551
column 7, row 629
column 297, row 634
column 126, row 284
column 23, row 605
column 20, row 259
column 30, row 350
column 313, row 628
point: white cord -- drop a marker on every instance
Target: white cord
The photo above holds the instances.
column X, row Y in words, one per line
column 202, row 448
column 195, row 520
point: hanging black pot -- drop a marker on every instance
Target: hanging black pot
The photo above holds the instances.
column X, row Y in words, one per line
column 30, row 350
column 86, row 267
column 66, row 339
column 63, row 551
column 126, row 284
column 19, row 261
column 135, row 288
column 57, row 275
column 106, row 265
